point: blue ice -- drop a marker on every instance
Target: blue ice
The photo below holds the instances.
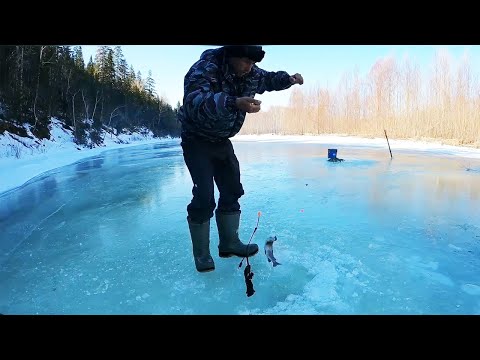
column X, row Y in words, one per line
column 370, row 235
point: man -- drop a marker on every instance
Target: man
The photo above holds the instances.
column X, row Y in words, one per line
column 219, row 91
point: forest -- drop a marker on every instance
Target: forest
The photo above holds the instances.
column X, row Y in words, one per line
column 38, row 83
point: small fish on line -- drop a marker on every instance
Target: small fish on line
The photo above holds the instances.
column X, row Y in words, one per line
column 269, row 250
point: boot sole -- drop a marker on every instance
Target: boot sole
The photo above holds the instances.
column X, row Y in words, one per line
column 206, row 270
column 230, row 254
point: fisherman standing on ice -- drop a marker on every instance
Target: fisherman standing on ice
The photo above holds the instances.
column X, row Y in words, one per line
column 219, row 91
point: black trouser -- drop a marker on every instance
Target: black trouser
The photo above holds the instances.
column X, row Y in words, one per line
column 209, row 162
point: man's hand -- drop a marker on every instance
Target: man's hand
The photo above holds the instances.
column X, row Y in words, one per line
column 296, row 79
column 248, row 104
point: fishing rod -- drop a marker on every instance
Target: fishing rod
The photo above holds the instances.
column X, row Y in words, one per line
column 254, row 230
column 391, row 156
column 247, row 273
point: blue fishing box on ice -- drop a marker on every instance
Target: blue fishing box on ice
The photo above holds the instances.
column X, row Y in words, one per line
column 332, row 156
column 332, row 153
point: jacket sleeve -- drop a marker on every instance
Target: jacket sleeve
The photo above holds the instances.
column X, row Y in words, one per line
column 273, row 81
column 208, row 109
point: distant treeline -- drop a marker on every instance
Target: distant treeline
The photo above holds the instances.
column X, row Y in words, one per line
column 40, row 82
column 443, row 104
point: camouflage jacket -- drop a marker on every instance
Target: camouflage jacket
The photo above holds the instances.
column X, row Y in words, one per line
column 210, row 89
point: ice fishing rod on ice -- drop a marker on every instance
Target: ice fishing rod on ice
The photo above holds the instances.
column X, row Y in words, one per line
column 391, row 156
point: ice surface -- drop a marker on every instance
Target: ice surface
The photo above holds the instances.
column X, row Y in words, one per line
column 371, row 235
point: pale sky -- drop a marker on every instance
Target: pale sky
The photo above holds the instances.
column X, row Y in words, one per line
column 321, row 65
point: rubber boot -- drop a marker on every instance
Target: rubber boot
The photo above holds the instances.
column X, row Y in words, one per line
column 200, row 234
column 230, row 244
